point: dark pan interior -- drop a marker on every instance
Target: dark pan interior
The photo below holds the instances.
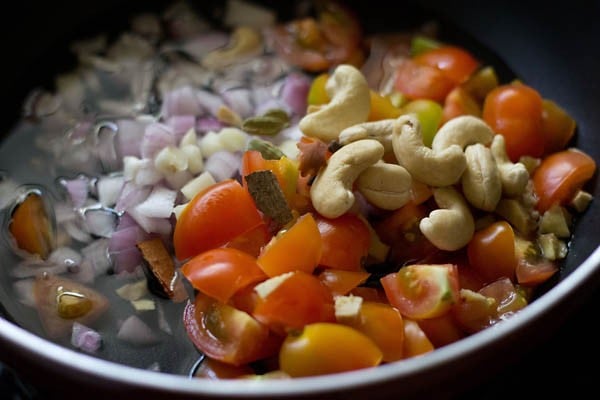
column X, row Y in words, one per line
column 554, row 50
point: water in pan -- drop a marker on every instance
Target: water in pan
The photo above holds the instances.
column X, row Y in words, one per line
column 65, row 148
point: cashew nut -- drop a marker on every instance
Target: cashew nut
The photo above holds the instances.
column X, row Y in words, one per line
column 245, row 42
column 463, row 131
column 331, row 192
column 514, row 176
column 434, row 168
column 481, row 181
column 350, row 105
column 379, row 130
column 387, row 186
column 451, row 227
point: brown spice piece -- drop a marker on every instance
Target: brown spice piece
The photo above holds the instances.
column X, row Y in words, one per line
column 268, row 196
column 160, row 263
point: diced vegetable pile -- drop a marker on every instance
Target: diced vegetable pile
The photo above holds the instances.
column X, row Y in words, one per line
column 317, row 198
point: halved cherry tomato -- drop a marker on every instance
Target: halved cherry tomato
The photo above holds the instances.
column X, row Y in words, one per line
column 284, row 169
column 508, row 299
column 214, row 370
column 491, row 251
column 383, row 324
column 345, row 241
column 459, row 102
column 558, row 126
column 214, row 217
column 421, row 290
column 293, row 301
column 515, row 111
column 419, row 81
column 474, row 311
column 341, row 282
column 382, row 108
column 298, row 248
column 456, row 63
column 30, row 226
column 252, row 241
column 220, row 273
column 534, row 272
column 441, row 330
column 227, row 334
column 416, row 342
column 560, row 175
column 326, row 348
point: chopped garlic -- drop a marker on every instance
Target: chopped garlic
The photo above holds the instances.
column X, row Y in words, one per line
column 144, row 305
column 170, row 160
column 178, row 209
column 195, row 161
column 290, row 149
column 581, row 200
column 197, row 184
column 190, row 138
column 133, row 291
column 556, row 220
column 210, row 144
column 264, row 289
column 347, row 308
column 233, row 139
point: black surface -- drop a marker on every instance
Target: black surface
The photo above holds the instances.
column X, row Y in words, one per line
column 559, row 40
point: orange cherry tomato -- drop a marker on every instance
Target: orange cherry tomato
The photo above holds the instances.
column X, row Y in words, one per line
column 326, row 348
column 560, row 175
column 226, row 334
column 459, row 102
column 298, row 248
column 346, row 241
column 416, row 342
column 515, row 111
column 419, row 81
column 30, row 227
column 454, row 62
column 220, row 273
column 341, row 282
column 252, row 241
column 384, row 325
column 295, row 301
column 382, row 108
column 441, row 330
column 558, row 127
column 214, row 217
column 421, row 290
column 491, row 252
column 284, row 169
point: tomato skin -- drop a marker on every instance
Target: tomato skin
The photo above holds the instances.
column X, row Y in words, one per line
column 341, row 282
column 416, row 342
column 515, row 111
column 215, row 370
column 455, row 63
column 299, row 300
column 558, row 127
column 384, row 325
column 227, row 334
column 221, row 272
column 421, row 291
column 30, row 226
column 491, row 252
column 536, row 272
column 298, row 248
column 346, row 241
column 214, row 217
column 251, row 241
column 418, row 81
column 459, row 102
column 560, row 175
column 326, row 348
column 441, row 330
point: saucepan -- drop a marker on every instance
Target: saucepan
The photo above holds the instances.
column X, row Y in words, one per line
column 550, row 49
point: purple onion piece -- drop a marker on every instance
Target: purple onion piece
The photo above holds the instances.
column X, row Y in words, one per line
column 209, row 123
column 136, row 332
column 159, row 204
column 181, row 124
column 77, row 189
column 129, row 137
column 156, row 137
column 223, row 165
column 295, row 92
column 131, row 195
column 181, row 101
column 85, row 338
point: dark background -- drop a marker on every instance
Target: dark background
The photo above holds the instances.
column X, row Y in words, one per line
column 552, row 47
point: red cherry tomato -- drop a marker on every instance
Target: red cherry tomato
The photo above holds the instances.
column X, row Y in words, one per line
column 491, row 252
column 341, row 282
column 220, row 273
column 226, row 334
column 422, row 290
column 214, row 217
column 454, row 62
column 560, row 175
column 345, row 241
column 416, row 342
column 441, row 330
column 515, row 111
column 419, row 81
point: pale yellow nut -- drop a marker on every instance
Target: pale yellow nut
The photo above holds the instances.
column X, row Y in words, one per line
column 434, row 168
column 462, row 131
column 350, row 105
column 331, row 192
column 481, row 180
column 387, row 186
column 379, row 130
column 452, row 226
column 514, row 176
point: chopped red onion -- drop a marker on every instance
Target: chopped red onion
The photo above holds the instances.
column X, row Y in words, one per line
column 240, row 101
column 135, row 331
column 272, row 104
column 125, row 222
column 97, row 254
column 28, row 269
column 85, row 338
column 109, row 188
column 151, row 224
column 75, row 231
column 156, row 137
column 126, row 238
column 200, row 45
column 223, row 165
column 181, row 101
column 147, row 174
column 65, row 256
column 131, row 195
column 209, row 101
column 100, row 221
column 84, row 272
column 207, row 124
column 181, row 124
column 77, row 189
column 105, row 146
column 295, row 92
column 159, row 203
column 126, row 260
column 64, row 212
column 178, row 179
column 129, row 137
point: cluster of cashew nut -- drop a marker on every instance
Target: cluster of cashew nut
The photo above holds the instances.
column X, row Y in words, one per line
column 464, row 151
